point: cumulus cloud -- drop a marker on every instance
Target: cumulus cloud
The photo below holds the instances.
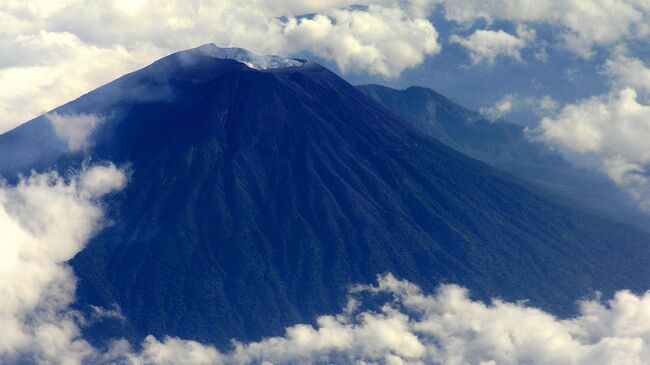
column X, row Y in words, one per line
column 171, row 351
column 75, row 130
column 447, row 327
column 500, row 109
column 51, row 53
column 487, row 45
column 547, row 105
column 586, row 23
column 381, row 40
column 626, row 71
column 610, row 131
column 44, row 221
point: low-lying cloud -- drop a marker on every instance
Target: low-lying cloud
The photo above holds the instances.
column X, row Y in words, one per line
column 74, row 130
column 500, row 109
column 44, row 221
column 510, row 103
column 445, row 327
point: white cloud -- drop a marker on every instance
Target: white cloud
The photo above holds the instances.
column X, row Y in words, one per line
column 500, row 109
column 56, row 68
column 44, row 221
column 487, row 45
column 53, row 52
column 546, row 104
column 611, row 131
column 587, row 23
column 634, row 177
column 75, row 130
column 627, row 71
column 447, row 327
column 381, row 40
column 509, row 103
column 171, row 351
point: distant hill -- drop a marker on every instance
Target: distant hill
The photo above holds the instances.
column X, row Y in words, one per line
column 504, row 145
column 257, row 196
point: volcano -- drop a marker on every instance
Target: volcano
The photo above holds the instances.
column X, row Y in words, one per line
column 257, row 195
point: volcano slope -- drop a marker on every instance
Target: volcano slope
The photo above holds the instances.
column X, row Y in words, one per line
column 508, row 147
column 256, row 197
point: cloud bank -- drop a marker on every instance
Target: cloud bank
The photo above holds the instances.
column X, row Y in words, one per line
column 44, row 221
column 446, row 327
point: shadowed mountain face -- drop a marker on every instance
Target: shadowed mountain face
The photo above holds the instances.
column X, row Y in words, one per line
column 257, row 196
column 505, row 146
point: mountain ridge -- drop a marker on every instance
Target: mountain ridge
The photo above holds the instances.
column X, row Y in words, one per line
column 504, row 145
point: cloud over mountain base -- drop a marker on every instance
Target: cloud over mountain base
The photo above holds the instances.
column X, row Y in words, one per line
column 445, row 327
column 45, row 220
